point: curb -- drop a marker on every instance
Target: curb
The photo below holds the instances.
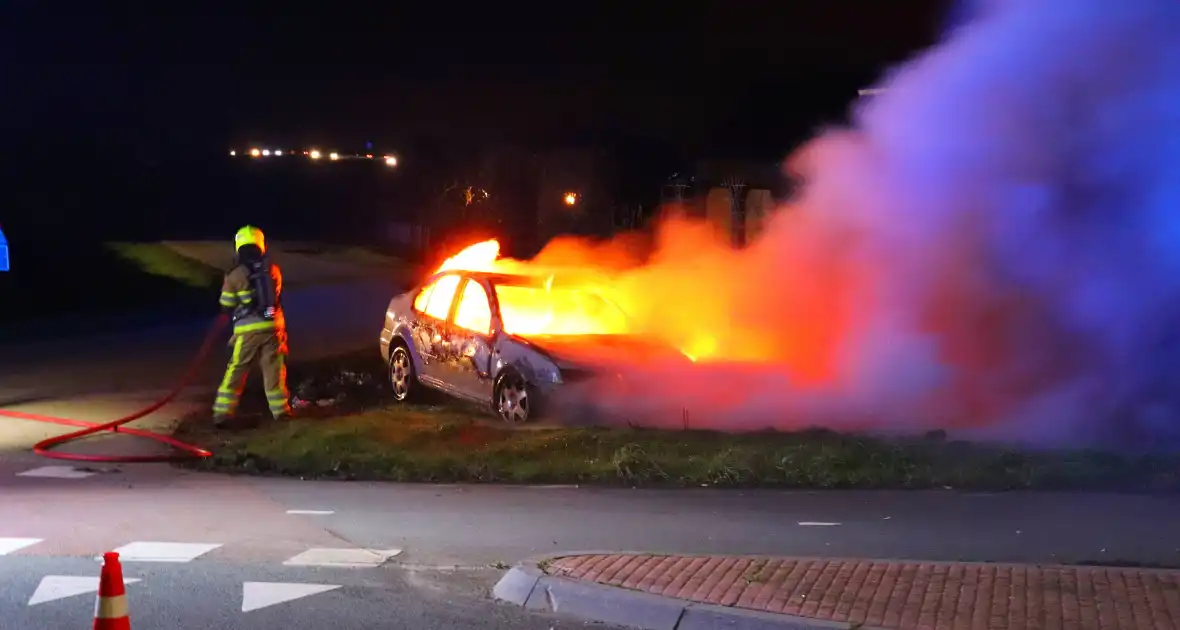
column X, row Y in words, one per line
column 528, row 586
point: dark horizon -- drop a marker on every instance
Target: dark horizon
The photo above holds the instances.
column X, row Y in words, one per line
column 120, row 125
column 708, row 80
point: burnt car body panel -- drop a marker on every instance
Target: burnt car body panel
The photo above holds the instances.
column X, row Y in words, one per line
column 458, row 361
column 465, row 363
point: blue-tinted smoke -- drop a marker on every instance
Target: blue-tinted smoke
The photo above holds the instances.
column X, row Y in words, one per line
column 1019, row 188
column 998, row 235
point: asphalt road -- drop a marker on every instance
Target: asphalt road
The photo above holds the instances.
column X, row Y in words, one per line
column 209, row 551
column 472, row 525
column 212, row 595
column 322, row 321
column 425, row 556
column 104, row 377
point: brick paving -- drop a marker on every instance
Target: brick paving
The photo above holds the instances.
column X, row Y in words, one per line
column 902, row 595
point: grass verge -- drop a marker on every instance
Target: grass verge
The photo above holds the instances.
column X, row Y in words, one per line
column 157, row 259
column 452, row 443
column 114, row 280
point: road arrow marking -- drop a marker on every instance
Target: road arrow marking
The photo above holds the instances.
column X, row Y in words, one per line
column 816, row 524
column 257, row 595
column 312, row 512
column 62, row 586
column 9, row 545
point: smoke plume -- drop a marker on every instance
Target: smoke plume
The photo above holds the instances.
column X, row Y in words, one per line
column 992, row 247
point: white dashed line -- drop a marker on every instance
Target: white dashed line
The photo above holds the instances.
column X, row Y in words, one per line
column 351, row 558
column 312, row 512
column 816, row 524
column 257, row 595
column 163, row 551
column 9, row 545
column 56, row 472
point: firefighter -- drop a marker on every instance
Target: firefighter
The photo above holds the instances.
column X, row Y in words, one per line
column 252, row 294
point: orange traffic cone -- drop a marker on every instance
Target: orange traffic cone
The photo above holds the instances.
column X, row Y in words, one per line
column 110, row 610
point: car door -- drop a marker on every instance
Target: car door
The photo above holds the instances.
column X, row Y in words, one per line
column 432, row 307
column 469, row 342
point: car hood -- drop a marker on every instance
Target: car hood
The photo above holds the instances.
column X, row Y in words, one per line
column 590, row 351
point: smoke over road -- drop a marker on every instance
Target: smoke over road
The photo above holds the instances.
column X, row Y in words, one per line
column 992, row 247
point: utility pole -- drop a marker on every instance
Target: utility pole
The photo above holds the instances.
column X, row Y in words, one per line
column 736, row 184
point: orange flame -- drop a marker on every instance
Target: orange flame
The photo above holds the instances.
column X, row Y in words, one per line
column 477, row 257
column 791, row 302
column 534, row 308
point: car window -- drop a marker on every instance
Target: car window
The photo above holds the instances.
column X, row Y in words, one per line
column 438, row 305
column 543, row 310
column 474, row 312
column 423, row 297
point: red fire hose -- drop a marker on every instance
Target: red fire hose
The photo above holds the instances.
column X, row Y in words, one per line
column 187, row 451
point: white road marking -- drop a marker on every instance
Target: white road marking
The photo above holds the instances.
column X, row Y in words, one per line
column 9, row 545
column 54, row 587
column 352, row 558
column 56, row 472
column 257, row 595
column 311, row 513
column 163, row 551
column 816, row 524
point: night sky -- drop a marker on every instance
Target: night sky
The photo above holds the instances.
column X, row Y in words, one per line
column 703, row 77
column 117, row 120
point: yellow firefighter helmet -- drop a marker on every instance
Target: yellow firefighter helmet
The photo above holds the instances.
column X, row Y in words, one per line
column 250, row 235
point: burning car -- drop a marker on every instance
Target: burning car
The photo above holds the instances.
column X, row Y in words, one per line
column 510, row 340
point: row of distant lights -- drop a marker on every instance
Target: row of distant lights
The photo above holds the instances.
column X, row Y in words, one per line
column 314, row 154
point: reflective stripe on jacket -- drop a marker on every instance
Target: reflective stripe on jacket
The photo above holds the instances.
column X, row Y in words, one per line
column 236, row 293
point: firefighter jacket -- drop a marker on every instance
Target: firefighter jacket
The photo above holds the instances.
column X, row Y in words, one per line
column 237, row 294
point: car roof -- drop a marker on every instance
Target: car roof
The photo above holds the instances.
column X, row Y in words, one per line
column 495, row 277
column 489, row 275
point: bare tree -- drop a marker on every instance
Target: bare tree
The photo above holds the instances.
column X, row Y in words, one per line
column 628, row 216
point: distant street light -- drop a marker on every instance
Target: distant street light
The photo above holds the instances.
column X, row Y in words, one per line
column 390, row 160
column 232, row 153
column 266, row 151
column 255, row 153
column 570, row 198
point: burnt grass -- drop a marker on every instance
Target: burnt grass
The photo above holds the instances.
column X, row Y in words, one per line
column 357, row 433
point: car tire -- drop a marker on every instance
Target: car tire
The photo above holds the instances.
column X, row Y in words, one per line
column 514, row 399
column 403, row 380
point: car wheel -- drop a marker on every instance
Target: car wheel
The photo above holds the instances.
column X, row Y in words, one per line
column 516, row 401
column 403, row 382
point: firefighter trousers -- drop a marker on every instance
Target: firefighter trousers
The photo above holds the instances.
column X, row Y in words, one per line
column 269, row 347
